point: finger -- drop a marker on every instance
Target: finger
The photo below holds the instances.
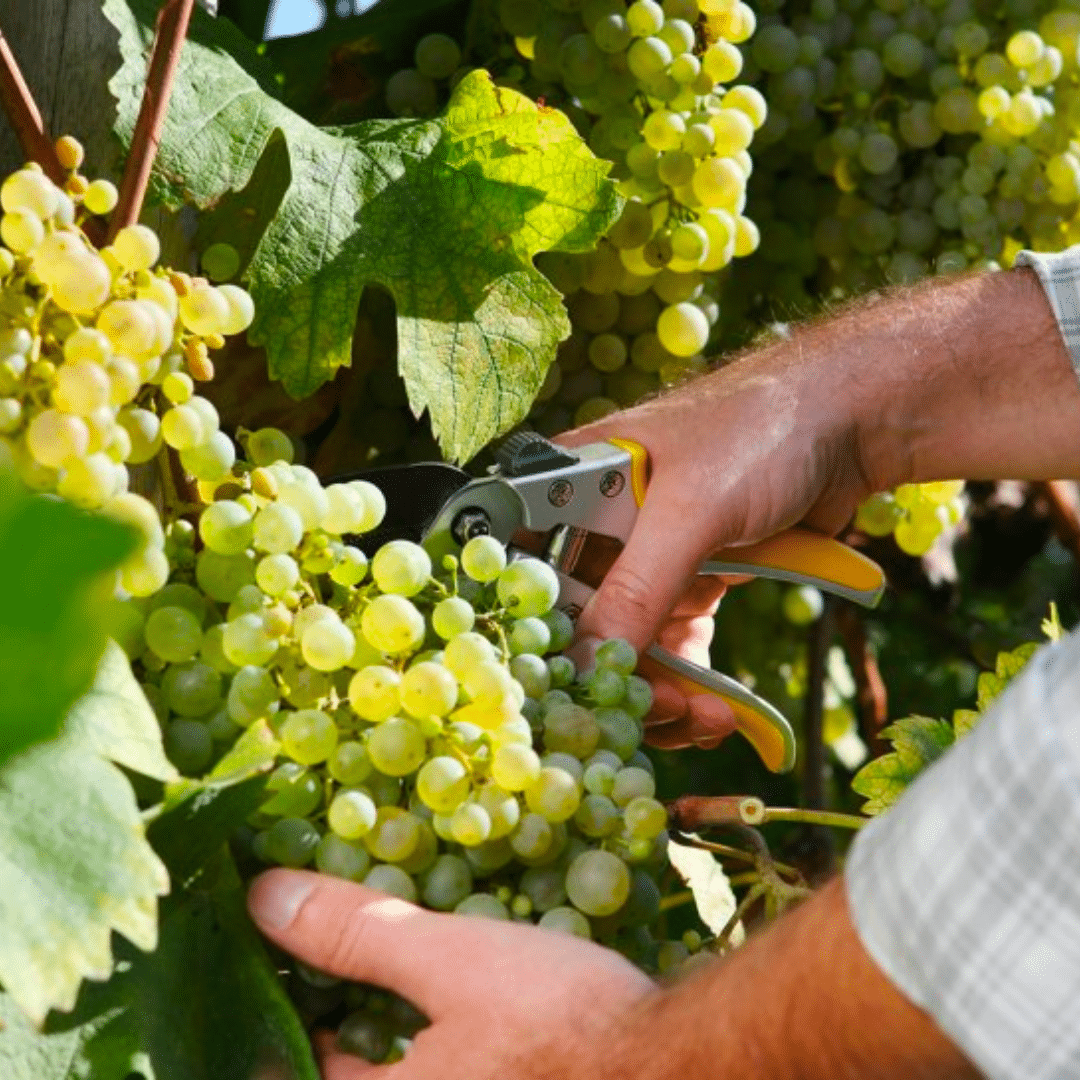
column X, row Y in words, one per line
column 705, row 722
column 356, row 933
column 648, row 578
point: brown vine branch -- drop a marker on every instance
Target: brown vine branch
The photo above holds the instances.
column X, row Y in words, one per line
column 24, row 115
column 871, row 695
column 169, row 35
column 1061, row 497
column 692, row 812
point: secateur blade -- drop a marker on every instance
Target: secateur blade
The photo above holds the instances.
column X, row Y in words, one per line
column 415, row 495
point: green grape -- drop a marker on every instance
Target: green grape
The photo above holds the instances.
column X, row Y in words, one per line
column 173, row 633
column 544, row 886
column 561, row 627
column 532, row 673
column 392, row 624
column 566, row 920
column 533, row 837
column 599, row 777
column 397, row 747
column 222, row 576
column 638, row 699
column 428, row 689
column 803, row 604
column 308, row 736
column 447, row 884
column 644, row 17
column 443, row 784
column 351, row 566
column 352, row 814
column 393, row 881
column 247, row 641
column 395, row 836
column 189, row 746
column 375, row 693
column 191, row 689
column 401, row 568
column 467, row 651
column 598, row 883
column 341, row 859
column 645, row 818
column 349, row 764
column 483, row 905
column 226, row 527
column 470, row 824
column 293, row 792
column 483, row 558
column 328, row 645
column 212, row 461
column 502, row 808
column 221, row 262
column 277, row 574
column 307, row 499
column 572, row 730
column 292, row 841
column 597, row 816
column 409, row 93
column 631, row 783
column 554, row 795
column 452, row 616
column 683, row 329
column 515, row 767
column 617, row 655
column 647, row 57
column 268, row 445
column 528, row 587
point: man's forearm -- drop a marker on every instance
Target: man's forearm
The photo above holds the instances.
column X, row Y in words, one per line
column 800, row 1001
column 967, row 378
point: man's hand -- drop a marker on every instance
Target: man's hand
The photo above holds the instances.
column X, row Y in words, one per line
column 800, row 1001
column 960, row 378
column 506, row 1002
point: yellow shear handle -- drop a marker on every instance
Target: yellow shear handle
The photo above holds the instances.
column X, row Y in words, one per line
column 765, row 727
column 805, row 558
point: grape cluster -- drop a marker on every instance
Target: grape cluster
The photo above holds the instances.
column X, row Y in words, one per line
column 100, row 352
column 434, row 744
column 916, row 514
column 651, row 91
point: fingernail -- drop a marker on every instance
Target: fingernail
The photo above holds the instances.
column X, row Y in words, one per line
column 275, row 898
column 707, row 743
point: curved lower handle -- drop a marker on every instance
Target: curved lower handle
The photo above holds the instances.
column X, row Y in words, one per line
column 765, row 727
column 805, row 558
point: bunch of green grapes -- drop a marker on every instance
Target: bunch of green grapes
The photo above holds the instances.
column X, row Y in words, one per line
column 100, row 351
column 434, row 744
column 916, row 514
column 650, row 88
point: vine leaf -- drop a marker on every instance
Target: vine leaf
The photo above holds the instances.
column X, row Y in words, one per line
column 705, row 877
column 206, row 1005
column 918, row 741
column 446, row 214
column 75, row 863
column 52, row 632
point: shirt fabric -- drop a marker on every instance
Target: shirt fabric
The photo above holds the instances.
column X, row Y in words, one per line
column 967, row 892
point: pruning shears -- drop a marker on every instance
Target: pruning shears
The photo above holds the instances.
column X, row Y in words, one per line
column 576, row 509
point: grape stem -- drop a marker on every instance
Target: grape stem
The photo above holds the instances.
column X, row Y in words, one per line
column 25, row 117
column 692, row 812
column 169, row 35
column 678, row 899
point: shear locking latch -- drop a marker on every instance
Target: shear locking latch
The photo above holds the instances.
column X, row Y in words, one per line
column 525, row 454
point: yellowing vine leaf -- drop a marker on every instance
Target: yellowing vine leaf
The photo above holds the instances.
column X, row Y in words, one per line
column 74, row 862
column 446, row 214
column 705, row 877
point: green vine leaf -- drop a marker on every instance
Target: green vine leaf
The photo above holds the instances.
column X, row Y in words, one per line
column 52, row 630
column 75, row 864
column 206, row 1005
column 445, row 214
column 918, row 741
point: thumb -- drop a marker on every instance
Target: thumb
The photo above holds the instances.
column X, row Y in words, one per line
column 649, row 577
column 357, row 933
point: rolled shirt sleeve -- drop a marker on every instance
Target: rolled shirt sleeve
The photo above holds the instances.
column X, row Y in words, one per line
column 967, row 892
column 1059, row 273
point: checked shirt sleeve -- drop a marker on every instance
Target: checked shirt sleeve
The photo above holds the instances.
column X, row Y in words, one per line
column 1059, row 273
column 967, row 892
